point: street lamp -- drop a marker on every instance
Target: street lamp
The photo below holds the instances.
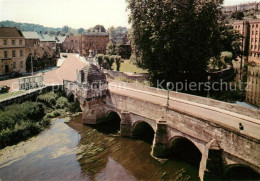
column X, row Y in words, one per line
column 168, row 93
column 209, row 85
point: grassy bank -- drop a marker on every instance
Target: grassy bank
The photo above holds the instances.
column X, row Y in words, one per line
column 19, row 122
column 127, row 66
column 10, row 94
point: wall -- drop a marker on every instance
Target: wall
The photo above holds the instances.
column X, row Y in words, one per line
column 116, row 74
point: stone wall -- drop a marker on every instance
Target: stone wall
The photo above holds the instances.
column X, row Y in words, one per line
column 31, row 95
column 130, row 76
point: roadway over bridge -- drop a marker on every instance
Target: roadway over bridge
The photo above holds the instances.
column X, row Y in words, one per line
column 212, row 127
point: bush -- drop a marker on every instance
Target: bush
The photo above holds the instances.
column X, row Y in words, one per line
column 62, row 103
column 48, row 98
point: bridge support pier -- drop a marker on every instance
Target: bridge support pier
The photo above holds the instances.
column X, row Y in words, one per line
column 211, row 166
column 92, row 111
column 160, row 144
column 126, row 126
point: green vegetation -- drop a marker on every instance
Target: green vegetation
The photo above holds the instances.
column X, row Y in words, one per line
column 172, row 41
column 128, row 66
column 21, row 121
column 10, row 94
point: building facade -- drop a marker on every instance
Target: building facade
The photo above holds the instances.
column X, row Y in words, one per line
column 241, row 7
column 95, row 41
column 251, row 33
column 82, row 44
column 12, row 51
column 72, row 44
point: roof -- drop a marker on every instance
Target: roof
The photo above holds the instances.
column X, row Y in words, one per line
column 96, row 34
column 30, row 35
column 10, row 32
column 46, row 37
column 60, row 39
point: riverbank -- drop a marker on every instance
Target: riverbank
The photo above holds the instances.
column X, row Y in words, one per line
column 19, row 122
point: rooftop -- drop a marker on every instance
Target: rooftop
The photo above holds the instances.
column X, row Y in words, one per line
column 30, row 35
column 95, row 34
column 46, row 37
column 10, row 32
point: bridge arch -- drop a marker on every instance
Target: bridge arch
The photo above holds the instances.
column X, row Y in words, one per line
column 113, row 118
column 71, row 97
column 240, row 172
column 183, row 149
column 144, row 131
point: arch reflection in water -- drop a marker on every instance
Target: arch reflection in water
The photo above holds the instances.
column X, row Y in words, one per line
column 241, row 172
column 253, row 85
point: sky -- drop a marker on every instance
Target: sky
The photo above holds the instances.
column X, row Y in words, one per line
column 74, row 13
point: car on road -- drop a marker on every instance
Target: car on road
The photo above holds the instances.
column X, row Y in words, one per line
column 15, row 74
column 4, row 89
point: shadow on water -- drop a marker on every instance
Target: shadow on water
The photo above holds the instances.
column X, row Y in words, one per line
column 104, row 155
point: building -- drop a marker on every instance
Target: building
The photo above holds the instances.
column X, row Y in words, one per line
column 95, row 41
column 251, row 31
column 12, row 51
column 72, row 44
column 41, row 49
column 253, row 86
column 241, row 7
column 82, row 44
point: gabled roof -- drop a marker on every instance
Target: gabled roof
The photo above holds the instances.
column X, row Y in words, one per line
column 46, row 37
column 30, row 35
column 10, row 32
column 60, row 39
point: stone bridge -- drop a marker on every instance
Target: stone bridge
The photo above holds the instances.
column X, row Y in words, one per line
column 226, row 136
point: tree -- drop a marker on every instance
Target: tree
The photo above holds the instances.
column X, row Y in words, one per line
column 111, row 49
column 100, row 27
column 174, row 40
column 112, row 33
column 106, row 61
column 80, row 30
column 239, row 15
column 100, row 58
column 65, row 29
column 118, row 62
column 111, row 61
column 230, row 41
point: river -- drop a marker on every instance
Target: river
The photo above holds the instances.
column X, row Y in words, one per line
column 72, row 151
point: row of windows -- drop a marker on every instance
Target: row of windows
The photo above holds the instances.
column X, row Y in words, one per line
column 14, row 65
column 13, row 42
column 13, row 53
column 254, row 55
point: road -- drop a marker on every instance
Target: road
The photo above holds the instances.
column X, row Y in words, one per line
column 67, row 71
column 221, row 117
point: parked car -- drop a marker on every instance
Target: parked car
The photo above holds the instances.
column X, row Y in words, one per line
column 4, row 89
column 64, row 55
column 15, row 74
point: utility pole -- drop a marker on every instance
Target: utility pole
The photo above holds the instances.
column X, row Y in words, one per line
column 32, row 64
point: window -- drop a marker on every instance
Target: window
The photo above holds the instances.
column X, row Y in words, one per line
column 21, row 53
column 21, row 64
column 256, row 40
column 252, row 39
column 252, row 46
column 256, row 32
column 14, row 65
column 252, row 32
column 5, row 54
column 13, row 42
column 257, row 25
column 20, row 42
column 255, row 47
column 5, row 42
column 13, row 53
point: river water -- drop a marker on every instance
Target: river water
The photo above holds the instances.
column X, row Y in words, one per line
column 76, row 152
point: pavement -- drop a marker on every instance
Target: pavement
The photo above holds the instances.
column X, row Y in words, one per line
column 55, row 75
column 219, row 116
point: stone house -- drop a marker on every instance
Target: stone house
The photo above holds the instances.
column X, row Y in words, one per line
column 72, row 44
column 12, row 51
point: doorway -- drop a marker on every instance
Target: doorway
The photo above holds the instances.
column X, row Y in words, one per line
column 6, row 69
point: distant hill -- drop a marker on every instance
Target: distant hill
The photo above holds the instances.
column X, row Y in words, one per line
column 28, row 26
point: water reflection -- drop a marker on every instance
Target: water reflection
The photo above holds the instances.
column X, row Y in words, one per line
column 253, row 86
column 77, row 152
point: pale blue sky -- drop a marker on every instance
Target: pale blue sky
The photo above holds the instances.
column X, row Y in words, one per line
column 75, row 13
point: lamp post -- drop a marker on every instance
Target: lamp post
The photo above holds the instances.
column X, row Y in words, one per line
column 168, row 93
column 209, row 85
column 31, row 65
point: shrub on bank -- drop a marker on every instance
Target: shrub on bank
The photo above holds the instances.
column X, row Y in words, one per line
column 49, row 99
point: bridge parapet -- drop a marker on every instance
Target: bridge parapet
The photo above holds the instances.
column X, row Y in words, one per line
column 192, row 98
